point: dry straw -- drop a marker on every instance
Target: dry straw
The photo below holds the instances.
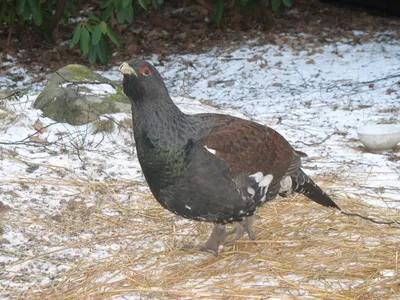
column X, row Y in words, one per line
column 303, row 251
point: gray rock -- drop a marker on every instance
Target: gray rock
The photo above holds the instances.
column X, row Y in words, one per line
column 76, row 95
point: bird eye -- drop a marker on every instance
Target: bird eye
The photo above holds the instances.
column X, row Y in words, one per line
column 145, row 71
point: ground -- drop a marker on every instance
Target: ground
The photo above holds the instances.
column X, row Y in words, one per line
column 78, row 221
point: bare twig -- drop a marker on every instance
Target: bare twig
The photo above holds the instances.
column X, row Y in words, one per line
column 16, row 93
column 317, row 143
column 29, row 136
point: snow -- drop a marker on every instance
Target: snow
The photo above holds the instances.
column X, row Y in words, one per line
column 317, row 105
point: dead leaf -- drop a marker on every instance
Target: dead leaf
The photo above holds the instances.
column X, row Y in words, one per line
column 362, row 106
column 371, row 85
column 39, row 78
column 189, row 63
column 389, row 91
column 310, row 62
column 154, row 34
column 277, row 84
column 39, row 126
column 278, row 64
column 61, row 133
column 342, row 133
column 353, row 140
column 36, row 139
column 253, row 59
column 264, row 64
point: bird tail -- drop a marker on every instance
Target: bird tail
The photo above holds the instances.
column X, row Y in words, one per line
column 305, row 185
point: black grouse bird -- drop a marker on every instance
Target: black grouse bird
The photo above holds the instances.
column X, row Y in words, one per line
column 209, row 167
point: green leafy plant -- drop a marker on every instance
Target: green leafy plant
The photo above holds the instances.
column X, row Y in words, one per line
column 44, row 14
column 93, row 37
column 96, row 35
column 219, row 11
column 279, row 5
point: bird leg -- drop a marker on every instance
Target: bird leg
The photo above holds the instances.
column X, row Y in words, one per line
column 241, row 228
column 216, row 239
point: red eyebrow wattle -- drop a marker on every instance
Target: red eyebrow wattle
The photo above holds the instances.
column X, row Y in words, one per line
column 145, row 68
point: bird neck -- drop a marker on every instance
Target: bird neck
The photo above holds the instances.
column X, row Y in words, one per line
column 161, row 122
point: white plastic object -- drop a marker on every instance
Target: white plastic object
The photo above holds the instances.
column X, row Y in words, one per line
column 381, row 137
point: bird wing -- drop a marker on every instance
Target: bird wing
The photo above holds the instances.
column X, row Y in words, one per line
column 257, row 156
column 249, row 148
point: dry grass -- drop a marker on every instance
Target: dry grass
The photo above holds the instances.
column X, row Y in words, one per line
column 8, row 118
column 303, row 249
column 103, row 125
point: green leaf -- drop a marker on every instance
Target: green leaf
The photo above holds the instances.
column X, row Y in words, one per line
column 129, row 14
column 107, row 13
column 101, row 50
column 275, row 4
column 241, row 3
column 26, row 15
column 287, row 3
column 20, row 6
column 219, row 11
column 103, row 27
column 112, row 36
column 105, row 3
column 11, row 17
column 94, row 18
column 92, row 55
column 106, row 46
column 46, row 30
column 125, row 14
column 126, row 3
column 121, row 16
column 117, row 4
column 251, row 6
column 143, row 3
column 36, row 12
column 84, row 41
column 96, row 36
column 71, row 7
column 76, row 37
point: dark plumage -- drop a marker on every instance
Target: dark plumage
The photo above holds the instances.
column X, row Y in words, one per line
column 209, row 167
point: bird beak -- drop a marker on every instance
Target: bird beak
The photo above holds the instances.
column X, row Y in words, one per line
column 127, row 69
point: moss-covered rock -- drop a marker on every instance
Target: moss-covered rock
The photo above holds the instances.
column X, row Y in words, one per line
column 76, row 95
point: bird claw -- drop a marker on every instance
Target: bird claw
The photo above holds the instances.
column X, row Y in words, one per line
column 219, row 234
column 216, row 239
column 241, row 228
column 202, row 248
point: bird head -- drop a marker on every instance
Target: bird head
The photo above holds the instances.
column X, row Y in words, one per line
column 141, row 80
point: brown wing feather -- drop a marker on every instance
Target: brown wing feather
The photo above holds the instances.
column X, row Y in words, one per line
column 249, row 148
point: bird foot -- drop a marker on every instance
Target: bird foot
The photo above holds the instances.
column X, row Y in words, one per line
column 241, row 228
column 216, row 239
